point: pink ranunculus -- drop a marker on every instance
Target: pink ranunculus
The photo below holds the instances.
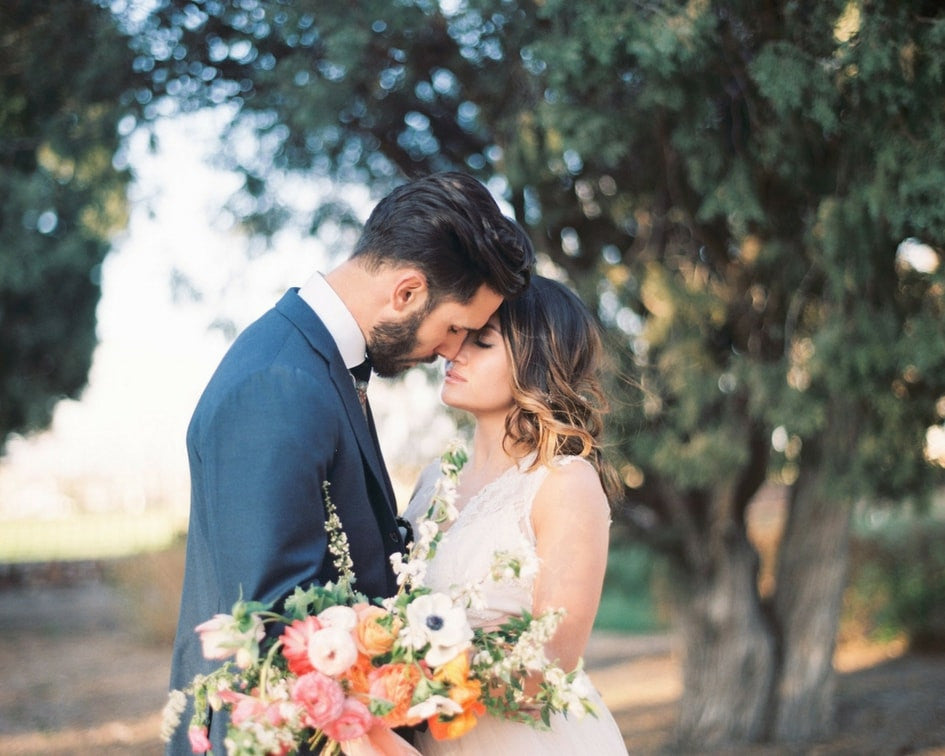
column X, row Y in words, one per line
column 332, row 651
column 244, row 707
column 321, row 698
column 296, row 640
column 354, row 721
column 199, row 742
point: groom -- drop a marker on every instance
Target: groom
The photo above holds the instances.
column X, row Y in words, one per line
column 282, row 415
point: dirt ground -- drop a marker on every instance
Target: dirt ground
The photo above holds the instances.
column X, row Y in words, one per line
column 78, row 679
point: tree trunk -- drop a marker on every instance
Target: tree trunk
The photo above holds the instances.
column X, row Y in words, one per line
column 729, row 662
column 812, row 566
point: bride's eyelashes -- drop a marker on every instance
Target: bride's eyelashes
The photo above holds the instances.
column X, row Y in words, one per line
column 483, row 338
column 477, row 339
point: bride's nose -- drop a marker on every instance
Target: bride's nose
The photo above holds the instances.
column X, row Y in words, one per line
column 461, row 355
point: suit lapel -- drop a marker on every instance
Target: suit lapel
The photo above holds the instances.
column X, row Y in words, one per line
column 363, row 428
column 301, row 315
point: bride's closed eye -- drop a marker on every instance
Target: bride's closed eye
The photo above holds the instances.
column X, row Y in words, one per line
column 484, row 338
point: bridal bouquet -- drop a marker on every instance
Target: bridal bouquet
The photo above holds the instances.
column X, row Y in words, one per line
column 344, row 672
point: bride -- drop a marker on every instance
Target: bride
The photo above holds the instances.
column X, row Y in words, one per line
column 536, row 479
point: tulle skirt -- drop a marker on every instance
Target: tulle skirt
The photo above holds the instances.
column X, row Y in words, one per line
column 598, row 736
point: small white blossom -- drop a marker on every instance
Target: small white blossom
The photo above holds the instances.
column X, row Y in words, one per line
column 529, row 650
column 412, row 571
column 170, row 715
column 471, row 596
column 428, row 531
column 389, row 604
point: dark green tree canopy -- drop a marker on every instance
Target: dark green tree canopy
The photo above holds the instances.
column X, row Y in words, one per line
column 730, row 180
column 65, row 72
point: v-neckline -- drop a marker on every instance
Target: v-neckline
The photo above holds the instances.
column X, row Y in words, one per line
column 517, row 466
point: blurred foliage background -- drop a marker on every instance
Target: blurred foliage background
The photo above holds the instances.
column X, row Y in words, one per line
column 748, row 194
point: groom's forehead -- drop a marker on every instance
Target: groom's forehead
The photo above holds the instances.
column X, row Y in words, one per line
column 474, row 314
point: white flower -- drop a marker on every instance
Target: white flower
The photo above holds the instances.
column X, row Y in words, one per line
column 555, row 677
column 521, row 564
column 572, row 695
column 470, row 595
column 332, row 651
column 222, row 637
column 434, row 705
column 528, row 652
column 246, row 657
column 170, row 716
column 389, row 604
column 428, row 531
column 342, row 617
column 411, row 571
column 435, row 620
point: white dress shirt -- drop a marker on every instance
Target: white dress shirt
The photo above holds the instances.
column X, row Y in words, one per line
column 318, row 294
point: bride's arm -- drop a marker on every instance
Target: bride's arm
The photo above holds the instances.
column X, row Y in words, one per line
column 571, row 519
column 419, row 500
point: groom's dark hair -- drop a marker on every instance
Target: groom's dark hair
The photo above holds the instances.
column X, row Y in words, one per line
column 449, row 226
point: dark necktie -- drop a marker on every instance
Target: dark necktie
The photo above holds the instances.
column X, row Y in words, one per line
column 362, row 374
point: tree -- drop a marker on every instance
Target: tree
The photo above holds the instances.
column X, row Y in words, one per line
column 64, row 80
column 728, row 182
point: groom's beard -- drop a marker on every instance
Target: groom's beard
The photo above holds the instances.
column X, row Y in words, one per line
column 390, row 342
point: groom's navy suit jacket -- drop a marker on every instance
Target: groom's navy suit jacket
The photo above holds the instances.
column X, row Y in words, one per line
column 279, row 417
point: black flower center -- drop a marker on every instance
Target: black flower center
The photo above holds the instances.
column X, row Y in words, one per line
column 434, row 622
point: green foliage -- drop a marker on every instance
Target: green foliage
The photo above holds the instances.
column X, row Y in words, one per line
column 897, row 583
column 631, row 601
column 64, row 79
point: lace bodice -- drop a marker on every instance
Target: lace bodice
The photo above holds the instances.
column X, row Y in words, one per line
column 493, row 529
column 498, row 519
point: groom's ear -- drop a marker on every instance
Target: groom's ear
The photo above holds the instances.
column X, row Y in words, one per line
column 410, row 291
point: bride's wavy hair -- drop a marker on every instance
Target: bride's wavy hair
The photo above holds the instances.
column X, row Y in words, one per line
column 555, row 350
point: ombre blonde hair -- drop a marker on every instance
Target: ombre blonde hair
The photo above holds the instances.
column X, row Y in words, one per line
column 554, row 346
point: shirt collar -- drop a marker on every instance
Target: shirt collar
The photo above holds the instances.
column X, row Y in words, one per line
column 337, row 318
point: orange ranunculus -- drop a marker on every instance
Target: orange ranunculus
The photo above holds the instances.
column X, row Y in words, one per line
column 358, row 676
column 373, row 637
column 455, row 671
column 458, row 725
column 396, row 683
column 463, row 691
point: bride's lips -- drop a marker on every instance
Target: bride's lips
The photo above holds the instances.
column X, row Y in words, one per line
column 452, row 376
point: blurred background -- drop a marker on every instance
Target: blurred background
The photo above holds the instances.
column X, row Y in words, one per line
column 749, row 197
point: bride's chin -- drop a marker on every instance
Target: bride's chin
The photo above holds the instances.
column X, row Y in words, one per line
column 448, row 399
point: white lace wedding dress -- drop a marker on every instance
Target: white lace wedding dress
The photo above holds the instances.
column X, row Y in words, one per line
column 498, row 518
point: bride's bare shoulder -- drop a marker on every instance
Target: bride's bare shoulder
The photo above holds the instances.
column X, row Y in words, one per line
column 572, row 485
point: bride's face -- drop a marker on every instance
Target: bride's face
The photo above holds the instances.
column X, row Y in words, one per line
column 479, row 378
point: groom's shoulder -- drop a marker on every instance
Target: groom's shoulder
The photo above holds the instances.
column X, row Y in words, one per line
column 269, row 346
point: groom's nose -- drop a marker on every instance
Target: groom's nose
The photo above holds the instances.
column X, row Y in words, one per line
column 450, row 346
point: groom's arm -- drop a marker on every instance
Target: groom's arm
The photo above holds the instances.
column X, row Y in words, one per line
column 265, row 451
